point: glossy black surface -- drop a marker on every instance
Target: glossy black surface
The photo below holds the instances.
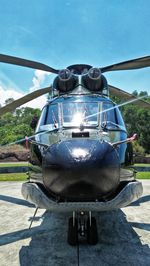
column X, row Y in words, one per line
column 81, row 169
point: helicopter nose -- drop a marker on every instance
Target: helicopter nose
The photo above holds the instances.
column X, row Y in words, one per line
column 81, row 169
column 81, row 153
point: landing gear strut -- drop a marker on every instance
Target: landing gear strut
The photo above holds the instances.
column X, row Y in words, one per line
column 80, row 226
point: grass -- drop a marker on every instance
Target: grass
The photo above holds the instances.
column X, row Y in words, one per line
column 143, row 175
column 13, row 164
column 13, row 177
column 142, row 164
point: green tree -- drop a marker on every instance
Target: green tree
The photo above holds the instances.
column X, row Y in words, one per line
column 137, row 120
column 135, row 93
column 9, row 100
column 15, row 126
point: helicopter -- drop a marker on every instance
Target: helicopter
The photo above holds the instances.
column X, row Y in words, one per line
column 80, row 146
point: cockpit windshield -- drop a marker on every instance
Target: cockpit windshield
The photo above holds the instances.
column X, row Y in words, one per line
column 77, row 113
column 102, row 114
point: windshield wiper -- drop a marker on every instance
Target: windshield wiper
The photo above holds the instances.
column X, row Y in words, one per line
column 54, row 120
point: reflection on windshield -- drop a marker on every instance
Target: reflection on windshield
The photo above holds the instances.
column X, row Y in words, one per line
column 75, row 114
column 49, row 118
column 106, row 115
column 111, row 117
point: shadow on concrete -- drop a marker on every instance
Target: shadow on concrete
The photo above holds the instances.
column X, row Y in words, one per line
column 144, row 226
column 11, row 237
column 118, row 243
column 18, row 235
column 49, row 245
column 141, row 200
column 16, row 201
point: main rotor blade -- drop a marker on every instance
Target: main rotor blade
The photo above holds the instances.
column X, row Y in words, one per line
column 27, row 98
column 127, row 96
column 128, row 65
column 26, row 63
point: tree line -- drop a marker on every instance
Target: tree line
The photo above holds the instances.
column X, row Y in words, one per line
column 137, row 120
column 16, row 125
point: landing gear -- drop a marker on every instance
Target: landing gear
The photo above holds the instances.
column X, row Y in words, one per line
column 92, row 237
column 82, row 226
column 73, row 231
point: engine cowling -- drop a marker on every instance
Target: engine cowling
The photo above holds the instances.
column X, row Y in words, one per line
column 93, row 79
column 65, row 81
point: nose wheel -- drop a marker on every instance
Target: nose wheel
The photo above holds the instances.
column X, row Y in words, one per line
column 92, row 236
column 82, row 226
column 73, row 231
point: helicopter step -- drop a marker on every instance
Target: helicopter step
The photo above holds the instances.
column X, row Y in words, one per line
column 82, row 225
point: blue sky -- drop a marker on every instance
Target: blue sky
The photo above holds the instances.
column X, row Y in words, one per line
column 64, row 32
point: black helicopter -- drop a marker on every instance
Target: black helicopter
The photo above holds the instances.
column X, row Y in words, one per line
column 80, row 146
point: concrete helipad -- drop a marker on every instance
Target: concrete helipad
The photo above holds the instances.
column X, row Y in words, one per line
column 124, row 235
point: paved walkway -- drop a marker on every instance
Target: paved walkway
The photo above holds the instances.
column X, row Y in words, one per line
column 124, row 235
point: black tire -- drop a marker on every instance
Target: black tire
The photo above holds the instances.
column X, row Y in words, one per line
column 92, row 235
column 72, row 232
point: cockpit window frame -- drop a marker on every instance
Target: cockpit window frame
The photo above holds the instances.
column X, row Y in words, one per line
column 120, row 126
column 60, row 118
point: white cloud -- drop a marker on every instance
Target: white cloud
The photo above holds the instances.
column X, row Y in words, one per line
column 37, row 103
column 38, row 80
column 8, row 93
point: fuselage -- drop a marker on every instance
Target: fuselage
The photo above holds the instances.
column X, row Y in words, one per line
column 74, row 159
